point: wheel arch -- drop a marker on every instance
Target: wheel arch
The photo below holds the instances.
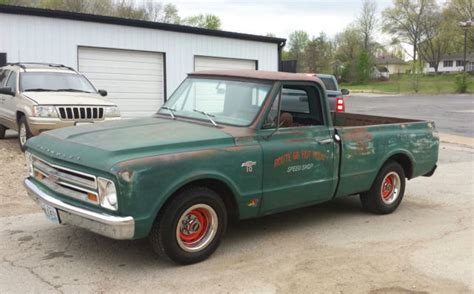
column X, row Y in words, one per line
column 220, row 185
column 405, row 160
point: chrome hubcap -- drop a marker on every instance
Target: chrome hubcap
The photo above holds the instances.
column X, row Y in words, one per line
column 196, row 228
column 390, row 189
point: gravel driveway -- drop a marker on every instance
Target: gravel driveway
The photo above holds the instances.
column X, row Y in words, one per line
column 13, row 198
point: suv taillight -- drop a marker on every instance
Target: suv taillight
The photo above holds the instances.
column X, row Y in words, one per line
column 340, row 105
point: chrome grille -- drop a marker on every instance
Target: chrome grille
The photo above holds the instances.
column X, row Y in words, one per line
column 81, row 112
column 65, row 181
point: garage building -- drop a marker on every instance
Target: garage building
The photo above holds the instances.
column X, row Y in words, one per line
column 139, row 63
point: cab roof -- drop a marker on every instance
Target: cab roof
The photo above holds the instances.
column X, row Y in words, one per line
column 258, row 75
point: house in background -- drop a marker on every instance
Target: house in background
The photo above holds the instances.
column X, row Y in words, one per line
column 380, row 73
column 452, row 63
column 392, row 64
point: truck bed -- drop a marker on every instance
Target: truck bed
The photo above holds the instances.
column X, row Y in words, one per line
column 368, row 141
column 345, row 119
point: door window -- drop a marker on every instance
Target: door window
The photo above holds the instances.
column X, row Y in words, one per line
column 3, row 76
column 300, row 106
column 12, row 81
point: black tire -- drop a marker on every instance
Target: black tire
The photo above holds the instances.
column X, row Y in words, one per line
column 22, row 122
column 2, row 132
column 384, row 197
column 164, row 237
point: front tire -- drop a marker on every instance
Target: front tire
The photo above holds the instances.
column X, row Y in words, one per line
column 24, row 132
column 190, row 227
column 387, row 191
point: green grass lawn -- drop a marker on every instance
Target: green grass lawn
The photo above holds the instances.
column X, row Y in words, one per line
column 428, row 84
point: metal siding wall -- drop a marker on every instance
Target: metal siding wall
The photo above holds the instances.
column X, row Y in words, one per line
column 41, row 39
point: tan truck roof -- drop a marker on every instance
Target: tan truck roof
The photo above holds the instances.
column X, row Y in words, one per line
column 259, row 75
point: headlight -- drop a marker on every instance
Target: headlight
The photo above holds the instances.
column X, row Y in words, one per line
column 107, row 193
column 44, row 111
column 29, row 163
column 112, row 111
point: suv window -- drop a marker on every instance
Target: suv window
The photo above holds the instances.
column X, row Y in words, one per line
column 12, row 81
column 329, row 83
column 3, row 76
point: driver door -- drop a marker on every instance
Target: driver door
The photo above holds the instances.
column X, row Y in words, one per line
column 299, row 156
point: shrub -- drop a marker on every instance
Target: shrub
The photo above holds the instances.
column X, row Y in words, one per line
column 462, row 82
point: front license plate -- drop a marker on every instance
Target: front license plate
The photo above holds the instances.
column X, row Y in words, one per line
column 51, row 213
column 82, row 123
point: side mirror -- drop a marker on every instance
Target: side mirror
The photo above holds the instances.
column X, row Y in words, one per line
column 345, row 92
column 102, row 93
column 7, row 91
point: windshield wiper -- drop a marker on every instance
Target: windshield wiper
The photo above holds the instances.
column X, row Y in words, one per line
column 171, row 111
column 37, row 90
column 71, row 90
column 208, row 115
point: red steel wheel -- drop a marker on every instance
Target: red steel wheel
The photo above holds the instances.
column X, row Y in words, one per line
column 196, row 227
column 390, row 188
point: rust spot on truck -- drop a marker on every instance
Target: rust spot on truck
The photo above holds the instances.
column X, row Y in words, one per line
column 358, row 141
column 169, row 157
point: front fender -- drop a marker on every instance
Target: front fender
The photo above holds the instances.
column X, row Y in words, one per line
column 155, row 179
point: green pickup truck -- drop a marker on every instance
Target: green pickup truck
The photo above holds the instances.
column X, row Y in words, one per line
column 226, row 145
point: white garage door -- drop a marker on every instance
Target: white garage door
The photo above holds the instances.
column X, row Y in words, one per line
column 216, row 63
column 211, row 100
column 134, row 80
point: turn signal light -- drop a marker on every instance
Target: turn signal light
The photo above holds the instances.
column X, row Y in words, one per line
column 92, row 197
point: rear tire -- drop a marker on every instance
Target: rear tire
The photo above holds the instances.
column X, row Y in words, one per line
column 2, row 132
column 24, row 132
column 387, row 191
column 190, row 227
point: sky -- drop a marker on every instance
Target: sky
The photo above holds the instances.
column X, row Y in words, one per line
column 280, row 17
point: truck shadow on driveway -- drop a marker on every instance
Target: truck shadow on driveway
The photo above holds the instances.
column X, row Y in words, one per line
column 89, row 249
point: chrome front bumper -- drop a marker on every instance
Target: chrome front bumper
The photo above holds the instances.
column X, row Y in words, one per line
column 111, row 226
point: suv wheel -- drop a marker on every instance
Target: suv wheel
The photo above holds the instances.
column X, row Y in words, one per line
column 2, row 131
column 24, row 132
column 190, row 227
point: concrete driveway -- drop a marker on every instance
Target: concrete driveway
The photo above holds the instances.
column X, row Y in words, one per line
column 425, row 246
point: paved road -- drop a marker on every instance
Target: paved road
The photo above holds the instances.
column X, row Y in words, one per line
column 453, row 114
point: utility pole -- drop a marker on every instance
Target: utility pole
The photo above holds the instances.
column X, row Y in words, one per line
column 465, row 25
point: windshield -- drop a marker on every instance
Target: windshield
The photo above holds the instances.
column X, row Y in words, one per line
column 54, row 81
column 329, row 83
column 225, row 101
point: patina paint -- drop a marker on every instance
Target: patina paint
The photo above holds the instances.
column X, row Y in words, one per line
column 265, row 171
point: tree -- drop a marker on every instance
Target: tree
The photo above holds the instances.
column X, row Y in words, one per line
column 348, row 45
column 170, row 14
column 367, row 22
column 207, row 21
column 364, row 66
column 461, row 10
column 297, row 44
column 438, row 38
column 405, row 20
column 318, row 55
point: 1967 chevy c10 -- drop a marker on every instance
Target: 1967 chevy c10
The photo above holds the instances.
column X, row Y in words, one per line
column 227, row 144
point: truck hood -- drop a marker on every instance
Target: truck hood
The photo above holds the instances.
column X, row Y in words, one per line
column 102, row 145
column 67, row 98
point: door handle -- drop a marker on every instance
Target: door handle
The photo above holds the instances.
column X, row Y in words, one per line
column 325, row 141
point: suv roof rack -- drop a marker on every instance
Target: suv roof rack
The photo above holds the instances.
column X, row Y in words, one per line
column 24, row 65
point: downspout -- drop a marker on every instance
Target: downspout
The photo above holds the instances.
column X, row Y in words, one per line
column 280, row 50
